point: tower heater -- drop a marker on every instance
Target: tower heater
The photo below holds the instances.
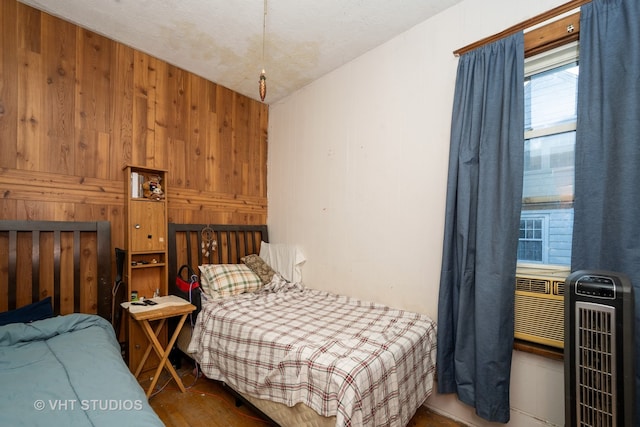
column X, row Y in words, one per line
column 599, row 350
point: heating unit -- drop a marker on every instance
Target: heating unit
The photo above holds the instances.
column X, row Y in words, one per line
column 599, row 350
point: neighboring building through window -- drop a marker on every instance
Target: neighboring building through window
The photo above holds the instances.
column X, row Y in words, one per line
column 546, row 224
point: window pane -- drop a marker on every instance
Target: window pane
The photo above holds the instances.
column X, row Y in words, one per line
column 529, row 251
column 550, row 97
column 552, row 178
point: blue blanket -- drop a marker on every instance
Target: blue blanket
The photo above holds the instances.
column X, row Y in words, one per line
column 68, row 371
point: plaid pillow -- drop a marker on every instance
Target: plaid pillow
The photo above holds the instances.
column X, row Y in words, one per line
column 223, row 280
column 261, row 268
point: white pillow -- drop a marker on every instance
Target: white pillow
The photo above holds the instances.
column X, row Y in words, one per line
column 284, row 258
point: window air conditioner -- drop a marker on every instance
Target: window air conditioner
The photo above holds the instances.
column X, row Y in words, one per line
column 539, row 305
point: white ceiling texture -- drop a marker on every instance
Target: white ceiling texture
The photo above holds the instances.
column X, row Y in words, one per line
column 222, row 40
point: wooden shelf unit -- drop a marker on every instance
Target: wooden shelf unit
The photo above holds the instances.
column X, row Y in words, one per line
column 146, row 269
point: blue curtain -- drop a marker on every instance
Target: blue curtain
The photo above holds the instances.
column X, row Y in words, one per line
column 484, row 196
column 606, row 231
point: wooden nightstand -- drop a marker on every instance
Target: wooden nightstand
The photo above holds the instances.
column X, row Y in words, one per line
column 144, row 316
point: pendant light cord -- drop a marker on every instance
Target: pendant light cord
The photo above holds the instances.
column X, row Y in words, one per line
column 262, row 83
column 264, row 29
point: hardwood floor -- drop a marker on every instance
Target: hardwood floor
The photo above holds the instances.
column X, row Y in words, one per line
column 209, row 403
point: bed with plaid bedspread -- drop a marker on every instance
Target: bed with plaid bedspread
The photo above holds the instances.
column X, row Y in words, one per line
column 365, row 363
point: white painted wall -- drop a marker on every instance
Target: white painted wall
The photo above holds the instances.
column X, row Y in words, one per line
column 357, row 178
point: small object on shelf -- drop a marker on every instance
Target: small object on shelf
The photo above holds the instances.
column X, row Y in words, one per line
column 134, row 295
column 152, row 189
column 135, row 179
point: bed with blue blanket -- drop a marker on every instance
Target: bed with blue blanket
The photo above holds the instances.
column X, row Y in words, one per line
column 60, row 360
column 68, row 371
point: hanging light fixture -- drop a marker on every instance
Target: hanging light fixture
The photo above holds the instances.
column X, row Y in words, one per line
column 262, row 83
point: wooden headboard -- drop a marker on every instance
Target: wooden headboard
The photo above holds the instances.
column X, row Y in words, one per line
column 69, row 261
column 234, row 242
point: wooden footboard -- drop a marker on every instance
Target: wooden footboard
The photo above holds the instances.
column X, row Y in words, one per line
column 69, row 261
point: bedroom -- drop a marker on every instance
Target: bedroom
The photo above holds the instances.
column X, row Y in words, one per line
column 371, row 138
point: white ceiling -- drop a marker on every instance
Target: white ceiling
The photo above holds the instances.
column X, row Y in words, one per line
column 221, row 40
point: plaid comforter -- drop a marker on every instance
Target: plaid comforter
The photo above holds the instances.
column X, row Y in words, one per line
column 365, row 363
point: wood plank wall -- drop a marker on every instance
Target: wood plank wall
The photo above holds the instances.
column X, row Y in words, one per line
column 75, row 107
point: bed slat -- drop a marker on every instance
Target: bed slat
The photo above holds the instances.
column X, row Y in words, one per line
column 13, row 266
column 76, row 271
column 35, row 266
column 56, row 270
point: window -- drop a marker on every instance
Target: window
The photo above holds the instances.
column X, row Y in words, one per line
column 530, row 245
column 546, row 224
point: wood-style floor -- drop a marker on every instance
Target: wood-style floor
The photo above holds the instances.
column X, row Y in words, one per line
column 209, row 403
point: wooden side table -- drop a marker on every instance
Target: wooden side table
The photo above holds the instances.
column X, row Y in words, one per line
column 144, row 318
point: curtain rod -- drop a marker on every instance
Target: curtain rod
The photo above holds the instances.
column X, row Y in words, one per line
column 522, row 26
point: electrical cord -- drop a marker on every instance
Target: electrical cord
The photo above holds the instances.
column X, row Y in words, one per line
column 196, row 371
column 114, row 291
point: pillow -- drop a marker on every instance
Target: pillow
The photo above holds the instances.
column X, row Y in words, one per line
column 258, row 266
column 223, row 280
column 29, row 313
column 284, row 258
